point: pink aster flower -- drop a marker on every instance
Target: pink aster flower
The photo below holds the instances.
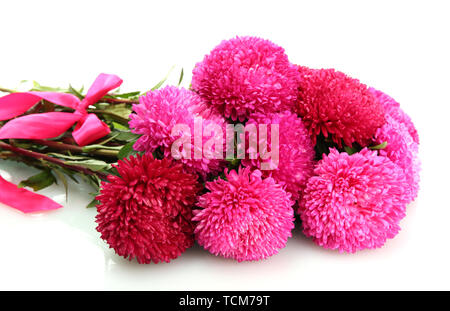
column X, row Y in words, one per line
column 402, row 150
column 334, row 104
column 244, row 216
column 155, row 117
column 158, row 112
column 393, row 109
column 296, row 151
column 354, row 201
column 145, row 213
column 245, row 75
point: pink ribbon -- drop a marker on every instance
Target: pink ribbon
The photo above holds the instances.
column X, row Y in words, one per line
column 24, row 200
column 88, row 129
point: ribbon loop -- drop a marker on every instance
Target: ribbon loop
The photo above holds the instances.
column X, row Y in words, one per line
column 90, row 129
column 101, row 86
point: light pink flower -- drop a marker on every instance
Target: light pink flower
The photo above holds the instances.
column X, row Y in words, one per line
column 159, row 111
column 354, row 201
column 244, row 216
column 402, row 150
column 393, row 109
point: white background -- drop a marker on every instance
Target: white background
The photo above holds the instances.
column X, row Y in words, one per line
column 400, row 47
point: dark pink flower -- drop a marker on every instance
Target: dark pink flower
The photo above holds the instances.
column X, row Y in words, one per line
column 333, row 104
column 245, row 75
column 145, row 212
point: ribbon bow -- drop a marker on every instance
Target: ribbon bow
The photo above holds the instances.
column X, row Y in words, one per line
column 88, row 128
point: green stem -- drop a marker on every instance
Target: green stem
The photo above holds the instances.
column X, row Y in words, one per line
column 114, row 116
column 76, row 149
column 112, row 100
column 40, row 156
column 5, row 90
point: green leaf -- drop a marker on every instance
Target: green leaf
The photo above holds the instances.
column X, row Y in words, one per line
column 350, row 150
column 24, row 86
column 22, row 144
column 62, row 177
column 68, row 157
column 126, row 151
column 126, row 95
column 379, row 147
column 181, row 76
column 107, row 140
column 57, row 138
column 233, row 163
column 120, row 110
column 39, row 181
column 160, row 83
column 92, row 164
column 126, row 136
column 92, row 180
column 98, row 146
column 71, row 174
column 93, row 203
column 42, row 88
column 119, row 126
column 96, row 182
column 75, row 92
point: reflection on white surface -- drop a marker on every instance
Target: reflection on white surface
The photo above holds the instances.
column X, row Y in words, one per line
column 61, row 249
column 6, row 175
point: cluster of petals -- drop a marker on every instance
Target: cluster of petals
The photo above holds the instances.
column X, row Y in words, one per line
column 145, row 212
column 392, row 108
column 333, row 104
column 354, row 201
column 244, row 216
column 402, row 140
column 245, row 75
column 156, row 116
column 295, row 151
column 402, row 150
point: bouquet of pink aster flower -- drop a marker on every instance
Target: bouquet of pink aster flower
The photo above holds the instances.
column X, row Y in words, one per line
column 255, row 142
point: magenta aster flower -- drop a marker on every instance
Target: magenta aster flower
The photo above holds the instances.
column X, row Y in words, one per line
column 296, row 151
column 333, row 104
column 244, row 216
column 145, row 213
column 245, row 75
column 354, row 201
column 159, row 112
column 402, row 150
column 393, row 109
